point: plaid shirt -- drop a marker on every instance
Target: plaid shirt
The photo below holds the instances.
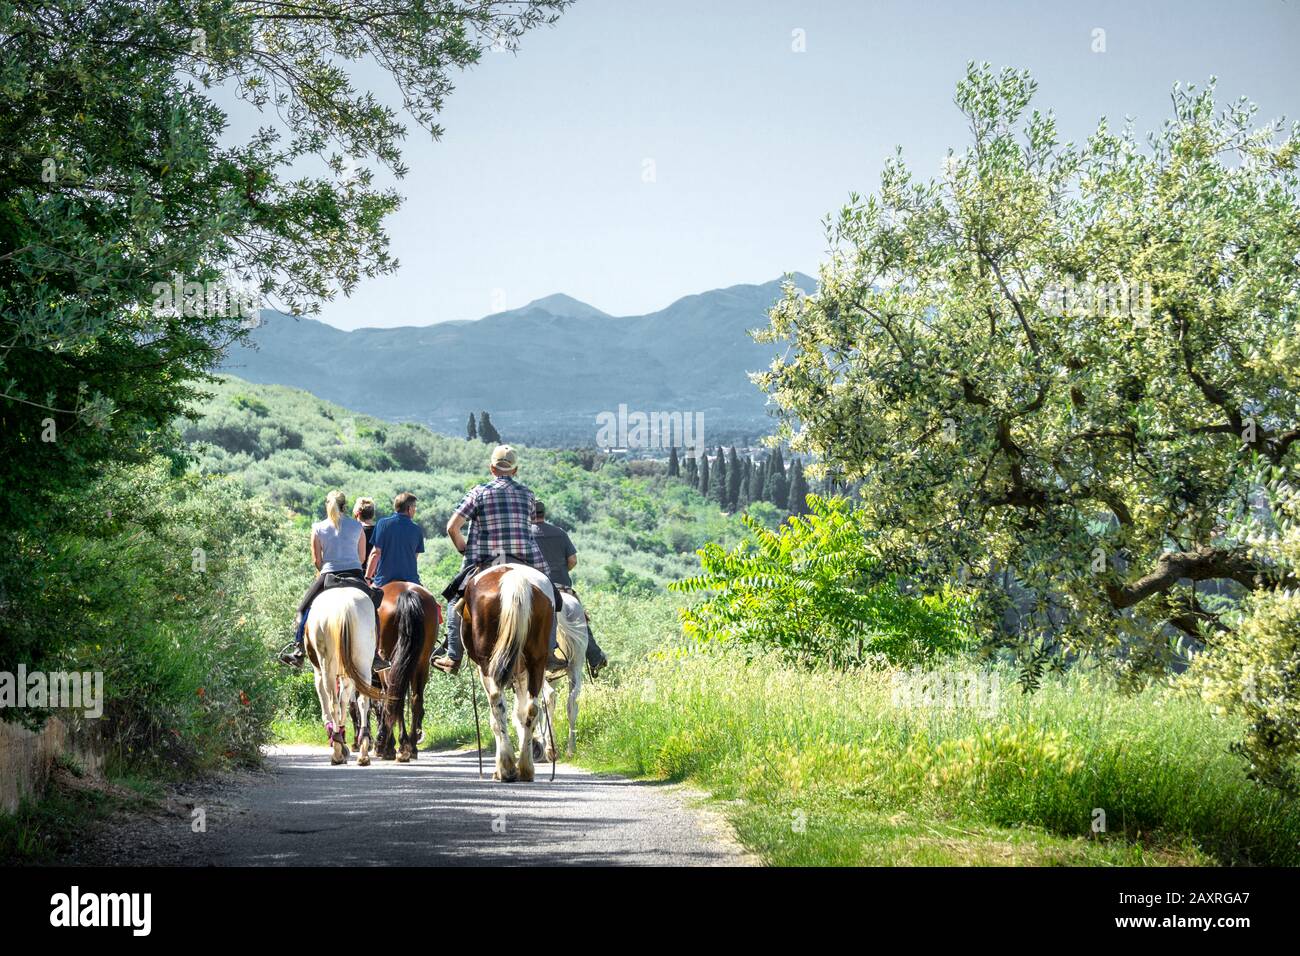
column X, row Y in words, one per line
column 502, row 516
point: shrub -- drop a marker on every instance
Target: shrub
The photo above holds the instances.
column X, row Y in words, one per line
column 815, row 590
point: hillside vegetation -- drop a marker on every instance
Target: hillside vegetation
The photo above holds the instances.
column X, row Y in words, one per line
column 635, row 529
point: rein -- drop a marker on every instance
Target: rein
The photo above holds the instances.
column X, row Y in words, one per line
column 550, row 732
column 478, row 733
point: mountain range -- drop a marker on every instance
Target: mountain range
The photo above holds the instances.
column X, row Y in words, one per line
column 543, row 371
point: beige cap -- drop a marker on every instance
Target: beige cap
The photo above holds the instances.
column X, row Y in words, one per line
column 504, row 458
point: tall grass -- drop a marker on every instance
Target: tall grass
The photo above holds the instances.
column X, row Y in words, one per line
column 827, row 767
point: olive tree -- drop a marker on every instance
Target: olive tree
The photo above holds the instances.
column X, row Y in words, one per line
column 1060, row 364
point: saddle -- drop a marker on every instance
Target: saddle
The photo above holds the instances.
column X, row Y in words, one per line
column 332, row 580
column 456, row 589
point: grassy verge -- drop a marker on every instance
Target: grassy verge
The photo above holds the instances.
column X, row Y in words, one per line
column 46, row 829
column 825, row 768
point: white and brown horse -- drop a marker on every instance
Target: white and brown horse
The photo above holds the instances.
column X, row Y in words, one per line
column 572, row 637
column 341, row 646
column 506, row 629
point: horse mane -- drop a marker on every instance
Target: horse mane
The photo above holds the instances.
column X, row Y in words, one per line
column 516, row 595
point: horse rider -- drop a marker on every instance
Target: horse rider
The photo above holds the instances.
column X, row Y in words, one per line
column 501, row 512
column 396, row 542
column 562, row 557
column 338, row 549
column 364, row 511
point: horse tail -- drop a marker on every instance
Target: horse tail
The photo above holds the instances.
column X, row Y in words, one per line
column 516, row 596
column 342, row 623
column 410, row 639
column 570, row 640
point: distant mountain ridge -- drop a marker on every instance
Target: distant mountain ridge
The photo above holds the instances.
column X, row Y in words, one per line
column 544, row 370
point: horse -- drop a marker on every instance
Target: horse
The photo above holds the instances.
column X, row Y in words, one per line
column 341, row 645
column 506, row 630
column 572, row 637
column 408, row 631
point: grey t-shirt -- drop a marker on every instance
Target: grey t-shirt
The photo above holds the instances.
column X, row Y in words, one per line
column 556, row 548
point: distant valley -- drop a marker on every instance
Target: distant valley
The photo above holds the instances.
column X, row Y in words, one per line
column 543, row 371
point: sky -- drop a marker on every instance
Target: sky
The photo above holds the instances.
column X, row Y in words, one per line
column 642, row 150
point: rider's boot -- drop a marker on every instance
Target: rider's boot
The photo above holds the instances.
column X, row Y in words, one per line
column 293, row 658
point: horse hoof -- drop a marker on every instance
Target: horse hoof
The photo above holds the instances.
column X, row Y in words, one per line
column 508, row 778
column 525, row 775
column 537, row 750
column 403, row 757
column 363, row 761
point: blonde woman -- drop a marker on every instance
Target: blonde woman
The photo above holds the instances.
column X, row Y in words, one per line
column 338, row 547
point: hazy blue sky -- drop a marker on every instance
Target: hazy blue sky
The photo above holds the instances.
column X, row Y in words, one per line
column 537, row 185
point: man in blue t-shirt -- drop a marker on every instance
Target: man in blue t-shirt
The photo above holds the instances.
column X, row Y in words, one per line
column 396, row 542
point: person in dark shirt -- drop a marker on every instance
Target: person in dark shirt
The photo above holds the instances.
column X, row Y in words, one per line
column 364, row 511
column 396, row 542
column 561, row 558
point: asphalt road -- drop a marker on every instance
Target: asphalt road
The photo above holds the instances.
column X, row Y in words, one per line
column 433, row 811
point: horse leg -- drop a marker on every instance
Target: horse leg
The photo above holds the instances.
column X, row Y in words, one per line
column 356, row 724
column 542, row 742
column 404, row 751
column 575, row 688
column 505, row 758
column 323, row 696
column 417, row 708
column 525, row 718
column 344, row 692
column 362, row 705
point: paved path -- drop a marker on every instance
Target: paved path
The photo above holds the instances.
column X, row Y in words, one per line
column 435, row 811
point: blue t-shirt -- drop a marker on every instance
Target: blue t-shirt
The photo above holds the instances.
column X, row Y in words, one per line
column 399, row 540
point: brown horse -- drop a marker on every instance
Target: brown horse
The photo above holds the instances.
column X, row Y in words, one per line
column 408, row 632
column 507, row 626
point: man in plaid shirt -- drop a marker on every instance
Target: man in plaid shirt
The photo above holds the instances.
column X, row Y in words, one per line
column 502, row 514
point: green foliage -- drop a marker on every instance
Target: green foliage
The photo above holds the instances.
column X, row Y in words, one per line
column 1053, row 366
column 873, row 779
column 816, row 590
column 119, row 183
column 1254, row 669
column 168, row 586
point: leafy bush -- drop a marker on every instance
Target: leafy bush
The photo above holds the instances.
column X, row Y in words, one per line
column 172, row 588
column 1254, row 668
column 815, row 590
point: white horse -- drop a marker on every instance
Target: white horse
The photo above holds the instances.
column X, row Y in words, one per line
column 571, row 636
column 341, row 646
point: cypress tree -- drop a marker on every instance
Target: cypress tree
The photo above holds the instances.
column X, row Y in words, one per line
column 704, row 475
column 692, row 473
column 798, row 503
column 756, row 482
column 471, row 431
column 486, row 430
column 674, row 469
column 718, row 480
column 776, row 488
column 734, row 477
